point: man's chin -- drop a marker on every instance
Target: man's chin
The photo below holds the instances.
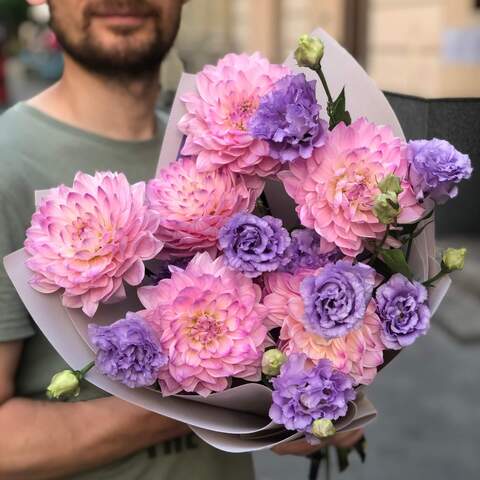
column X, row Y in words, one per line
column 120, row 50
column 110, row 35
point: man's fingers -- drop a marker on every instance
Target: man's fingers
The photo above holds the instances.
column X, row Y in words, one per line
column 303, row 448
column 346, row 440
column 297, row 447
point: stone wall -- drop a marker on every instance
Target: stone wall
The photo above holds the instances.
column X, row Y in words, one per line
column 412, row 46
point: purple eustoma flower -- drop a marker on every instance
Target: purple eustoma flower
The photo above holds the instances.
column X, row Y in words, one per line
column 302, row 393
column 436, row 168
column 254, row 245
column 305, row 252
column 403, row 310
column 288, row 119
column 128, row 351
column 336, row 299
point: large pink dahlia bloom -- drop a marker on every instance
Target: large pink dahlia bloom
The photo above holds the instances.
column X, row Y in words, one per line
column 335, row 190
column 216, row 124
column 90, row 238
column 210, row 321
column 358, row 353
column 193, row 206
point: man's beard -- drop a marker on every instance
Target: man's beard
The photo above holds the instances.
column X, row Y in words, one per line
column 134, row 60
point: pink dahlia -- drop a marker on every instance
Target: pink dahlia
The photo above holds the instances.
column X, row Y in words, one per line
column 193, row 206
column 90, row 238
column 358, row 353
column 210, row 321
column 335, row 190
column 216, row 124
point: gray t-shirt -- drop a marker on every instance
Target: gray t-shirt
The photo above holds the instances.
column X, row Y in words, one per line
column 38, row 152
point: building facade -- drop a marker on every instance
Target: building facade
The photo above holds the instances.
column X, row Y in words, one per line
column 429, row 48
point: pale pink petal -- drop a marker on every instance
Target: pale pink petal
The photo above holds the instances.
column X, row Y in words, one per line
column 89, row 238
column 335, row 189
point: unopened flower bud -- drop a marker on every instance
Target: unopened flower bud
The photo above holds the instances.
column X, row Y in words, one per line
column 386, row 207
column 309, row 52
column 272, row 360
column 454, row 258
column 321, row 428
column 390, row 184
column 64, row 385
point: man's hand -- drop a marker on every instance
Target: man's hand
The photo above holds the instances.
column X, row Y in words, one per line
column 47, row 440
column 9, row 356
column 302, row 448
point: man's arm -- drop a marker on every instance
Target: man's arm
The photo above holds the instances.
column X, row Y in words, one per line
column 43, row 440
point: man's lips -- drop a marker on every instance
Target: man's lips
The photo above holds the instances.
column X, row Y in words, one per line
column 123, row 17
column 122, row 12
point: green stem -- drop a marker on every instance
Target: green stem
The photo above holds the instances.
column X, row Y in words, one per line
column 438, row 276
column 262, row 200
column 379, row 247
column 327, row 463
column 81, row 373
column 324, row 83
column 150, row 274
column 409, row 246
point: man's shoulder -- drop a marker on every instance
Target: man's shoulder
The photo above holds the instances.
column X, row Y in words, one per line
column 14, row 136
column 10, row 117
column 13, row 129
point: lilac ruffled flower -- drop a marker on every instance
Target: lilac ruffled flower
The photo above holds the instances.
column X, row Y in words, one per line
column 305, row 252
column 254, row 245
column 403, row 310
column 288, row 119
column 128, row 351
column 336, row 299
column 436, row 168
column 303, row 394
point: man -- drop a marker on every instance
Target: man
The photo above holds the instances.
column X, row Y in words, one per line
column 99, row 116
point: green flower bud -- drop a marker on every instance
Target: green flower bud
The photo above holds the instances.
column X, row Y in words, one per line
column 454, row 258
column 64, row 385
column 322, row 428
column 386, row 207
column 309, row 52
column 390, row 184
column 272, row 360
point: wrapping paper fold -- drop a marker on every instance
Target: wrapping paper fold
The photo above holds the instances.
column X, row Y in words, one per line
column 360, row 414
column 242, row 410
column 235, row 420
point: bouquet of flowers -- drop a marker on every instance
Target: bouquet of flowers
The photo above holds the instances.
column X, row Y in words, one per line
column 212, row 290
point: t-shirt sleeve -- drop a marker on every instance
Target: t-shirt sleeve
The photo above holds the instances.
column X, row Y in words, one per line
column 15, row 323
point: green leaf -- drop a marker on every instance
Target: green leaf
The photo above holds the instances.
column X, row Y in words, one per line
column 361, row 448
column 342, row 458
column 337, row 112
column 396, row 262
column 420, row 230
column 262, row 207
column 315, row 463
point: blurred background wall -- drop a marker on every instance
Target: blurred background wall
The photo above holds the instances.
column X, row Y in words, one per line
column 428, row 48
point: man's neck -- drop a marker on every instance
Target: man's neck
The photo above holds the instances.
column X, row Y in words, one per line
column 117, row 109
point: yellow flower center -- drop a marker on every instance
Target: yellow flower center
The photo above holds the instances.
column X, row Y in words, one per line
column 241, row 113
column 204, row 327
